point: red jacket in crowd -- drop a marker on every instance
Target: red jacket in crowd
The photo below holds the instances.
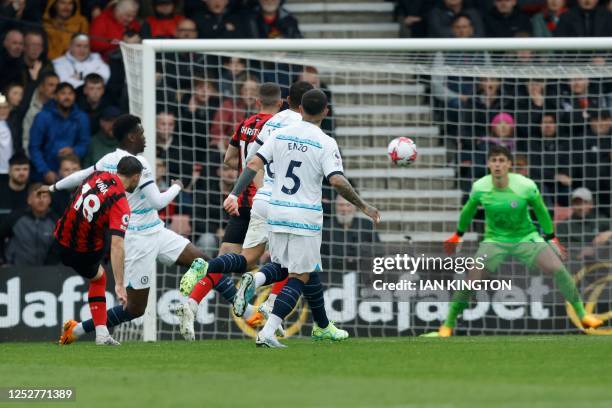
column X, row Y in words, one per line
column 105, row 28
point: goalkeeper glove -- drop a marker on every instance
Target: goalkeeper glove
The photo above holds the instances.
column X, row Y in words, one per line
column 556, row 245
column 450, row 245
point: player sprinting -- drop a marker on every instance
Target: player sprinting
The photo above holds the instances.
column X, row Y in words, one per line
column 302, row 155
column 146, row 240
column 509, row 231
column 256, row 237
column 99, row 207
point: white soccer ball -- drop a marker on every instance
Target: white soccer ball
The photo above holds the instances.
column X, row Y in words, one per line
column 402, row 151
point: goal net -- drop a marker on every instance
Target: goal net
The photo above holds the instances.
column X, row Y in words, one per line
column 548, row 101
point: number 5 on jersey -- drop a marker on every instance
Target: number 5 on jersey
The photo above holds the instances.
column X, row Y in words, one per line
column 296, row 180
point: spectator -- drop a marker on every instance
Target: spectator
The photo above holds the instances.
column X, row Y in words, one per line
column 586, row 229
column 586, row 19
column 233, row 68
column 14, row 95
column 79, row 62
column 13, row 187
column 545, row 22
column 116, row 87
column 68, row 164
column 592, row 158
column 501, row 133
column 7, row 142
column 42, row 94
column 164, row 22
column 521, row 164
column 440, row 19
column 60, row 128
column 110, row 26
column 62, row 19
column 13, row 12
column 233, row 111
column 270, row 20
column 210, row 217
column 311, row 75
column 454, row 92
column 577, row 100
column 12, row 67
column 215, row 19
column 349, row 242
column 34, row 56
column 505, row 20
column 179, row 153
column 30, row 232
column 530, row 107
column 488, row 102
column 550, row 162
column 199, row 107
column 181, row 67
column 103, row 141
column 92, row 100
column 411, row 15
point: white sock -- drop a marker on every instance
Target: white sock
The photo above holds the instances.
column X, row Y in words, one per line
column 271, row 325
column 78, row 330
column 260, row 279
column 270, row 300
column 102, row 330
column 248, row 312
column 193, row 305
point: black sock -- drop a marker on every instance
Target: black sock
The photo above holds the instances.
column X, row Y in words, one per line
column 228, row 263
column 313, row 292
column 288, row 297
column 114, row 317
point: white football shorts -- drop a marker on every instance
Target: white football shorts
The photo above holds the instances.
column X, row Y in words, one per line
column 297, row 253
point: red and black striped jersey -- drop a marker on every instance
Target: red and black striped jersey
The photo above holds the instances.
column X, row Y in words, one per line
column 245, row 134
column 98, row 206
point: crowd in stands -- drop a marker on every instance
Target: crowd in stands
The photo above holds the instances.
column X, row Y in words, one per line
column 63, row 83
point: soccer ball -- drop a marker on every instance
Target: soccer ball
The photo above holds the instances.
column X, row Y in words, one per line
column 402, row 151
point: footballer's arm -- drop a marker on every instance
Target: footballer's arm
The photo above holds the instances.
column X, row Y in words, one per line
column 157, row 199
column 346, row 190
column 68, row 183
column 250, row 171
column 232, row 154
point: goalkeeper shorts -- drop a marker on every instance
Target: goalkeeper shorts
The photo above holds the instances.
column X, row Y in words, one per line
column 525, row 251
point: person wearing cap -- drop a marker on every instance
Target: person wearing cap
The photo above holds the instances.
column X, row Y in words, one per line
column 103, row 142
column 79, row 61
column 164, row 22
column 586, row 228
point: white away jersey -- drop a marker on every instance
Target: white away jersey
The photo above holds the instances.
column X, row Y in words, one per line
column 280, row 120
column 144, row 217
column 302, row 154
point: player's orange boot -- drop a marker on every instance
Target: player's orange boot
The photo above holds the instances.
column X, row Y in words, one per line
column 256, row 320
column 591, row 322
column 68, row 336
column 445, row 331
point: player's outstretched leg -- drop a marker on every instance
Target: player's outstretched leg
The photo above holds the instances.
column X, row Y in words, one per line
column 460, row 301
column 323, row 328
column 197, row 271
column 267, row 274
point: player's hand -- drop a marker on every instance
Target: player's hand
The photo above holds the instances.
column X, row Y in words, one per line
column 43, row 190
column 121, row 294
column 231, row 205
column 178, row 183
column 451, row 244
column 372, row 212
column 558, row 248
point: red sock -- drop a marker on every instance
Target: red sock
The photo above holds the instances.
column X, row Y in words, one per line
column 204, row 285
column 278, row 286
column 97, row 300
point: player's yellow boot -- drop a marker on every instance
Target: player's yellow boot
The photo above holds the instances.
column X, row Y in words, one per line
column 591, row 322
column 256, row 320
column 68, row 336
column 443, row 331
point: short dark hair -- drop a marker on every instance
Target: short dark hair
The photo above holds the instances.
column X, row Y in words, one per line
column 124, row 125
column 45, row 75
column 459, row 16
column 314, row 102
column 34, row 187
column 129, row 166
column 269, row 93
column 94, row 78
column 297, row 91
column 63, row 85
column 18, row 159
column 497, row 150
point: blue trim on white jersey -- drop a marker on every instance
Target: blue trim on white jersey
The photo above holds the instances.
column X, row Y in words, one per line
column 280, row 203
column 109, row 167
column 297, row 225
column 145, row 226
column 313, row 143
column 275, row 125
column 266, row 193
column 143, row 211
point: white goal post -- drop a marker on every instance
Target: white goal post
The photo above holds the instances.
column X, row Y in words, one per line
column 398, row 80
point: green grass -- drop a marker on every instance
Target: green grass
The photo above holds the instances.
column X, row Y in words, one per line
column 521, row 372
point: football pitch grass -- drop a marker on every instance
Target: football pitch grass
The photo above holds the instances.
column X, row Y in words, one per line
column 519, row 371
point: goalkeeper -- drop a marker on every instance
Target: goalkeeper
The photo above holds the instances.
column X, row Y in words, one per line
column 509, row 230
